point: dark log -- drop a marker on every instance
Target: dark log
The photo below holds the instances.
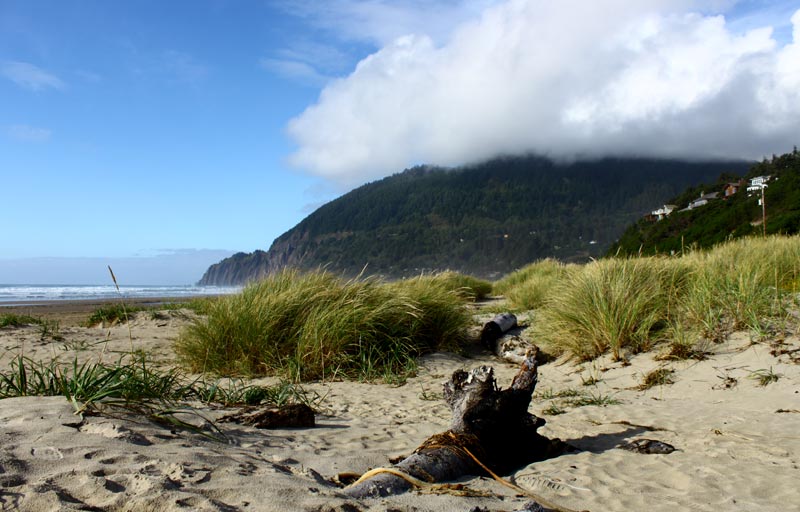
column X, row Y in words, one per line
column 494, row 329
column 489, row 425
column 287, row 416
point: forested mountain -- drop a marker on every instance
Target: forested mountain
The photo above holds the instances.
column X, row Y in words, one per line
column 739, row 214
column 485, row 219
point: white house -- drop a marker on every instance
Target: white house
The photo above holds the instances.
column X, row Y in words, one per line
column 757, row 183
column 702, row 200
column 662, row 212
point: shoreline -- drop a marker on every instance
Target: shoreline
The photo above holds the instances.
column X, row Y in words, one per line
column 70, row 312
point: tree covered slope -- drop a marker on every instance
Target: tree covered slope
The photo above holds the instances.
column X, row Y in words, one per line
column 721, row 219
column 485, row 219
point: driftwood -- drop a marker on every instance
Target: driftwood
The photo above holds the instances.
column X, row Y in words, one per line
column 491, row 432
column 502, row 339
column 287, row 416
column 495, row 328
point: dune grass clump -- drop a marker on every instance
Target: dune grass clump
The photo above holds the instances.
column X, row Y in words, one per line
column 111, row 314
column 610, row 305
column 13, row 320
column 315, row 325
column 469, row 287
column 530, row 287
column 738, row 283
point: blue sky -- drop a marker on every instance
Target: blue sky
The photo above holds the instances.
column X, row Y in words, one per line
column 150, row 130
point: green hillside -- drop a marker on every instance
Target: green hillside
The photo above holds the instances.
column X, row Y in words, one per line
column 737, row 215
column 486, row 219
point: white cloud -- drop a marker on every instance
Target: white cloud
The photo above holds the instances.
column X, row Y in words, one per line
column 29, row 76
column 25, row 133
column 566, row 79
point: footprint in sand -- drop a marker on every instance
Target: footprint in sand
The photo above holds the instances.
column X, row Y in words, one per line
column 47, row 453
column 114, row 431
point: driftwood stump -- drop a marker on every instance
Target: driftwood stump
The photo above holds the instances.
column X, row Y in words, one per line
column 495, row 328
column 491, row 424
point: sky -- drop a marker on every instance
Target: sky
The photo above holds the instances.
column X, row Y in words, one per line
column 162, row 136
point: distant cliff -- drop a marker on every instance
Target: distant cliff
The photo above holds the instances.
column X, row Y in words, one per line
column 485, row 219
column 236, row 269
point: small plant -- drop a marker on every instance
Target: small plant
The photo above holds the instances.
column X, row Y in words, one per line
column 429, row 395
column 12, row 320
column 609, row 305
column 657, row 377
column 760, row 330
column 682, row 351
column 111, row 314
column 549, row 393
column 553, row 410
column 593, row 378
column 50, row 329
column 592, row 399
column 765, row 377
column 77, row 345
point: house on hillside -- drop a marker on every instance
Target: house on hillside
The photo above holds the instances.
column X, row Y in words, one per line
column 731, row 188
column 703, row 200
column 756, row 184
column 661, row 213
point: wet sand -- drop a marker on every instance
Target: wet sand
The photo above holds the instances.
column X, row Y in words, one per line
column 74, row 312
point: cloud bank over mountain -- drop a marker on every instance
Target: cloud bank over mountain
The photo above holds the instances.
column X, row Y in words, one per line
column 565, row 79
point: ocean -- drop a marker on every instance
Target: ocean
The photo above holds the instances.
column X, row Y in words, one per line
column 11, row 294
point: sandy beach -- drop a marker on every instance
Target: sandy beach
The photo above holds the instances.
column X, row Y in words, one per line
column 737, row 442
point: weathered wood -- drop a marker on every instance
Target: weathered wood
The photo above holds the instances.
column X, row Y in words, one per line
column 287, row 416
column 488, row 424
column 494, row 329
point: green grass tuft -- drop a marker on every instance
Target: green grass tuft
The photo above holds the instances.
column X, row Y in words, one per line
column 132, row 384
column 657, row 377
column 306, row 326
column 12, row 320
column 765, row 377
column 111, row 314
column 610, row 304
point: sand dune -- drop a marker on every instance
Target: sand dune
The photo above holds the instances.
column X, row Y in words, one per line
column 737, row 443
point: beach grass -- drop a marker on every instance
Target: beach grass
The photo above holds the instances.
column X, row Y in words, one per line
column 315, row 325
column 469, row 287
column 132, row 383
column 111, row 314
column 530, row 287
column 611, row 304
column 14, row 320
column 632, row 304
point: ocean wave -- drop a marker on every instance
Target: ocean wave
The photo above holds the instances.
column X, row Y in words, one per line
column 25, row 293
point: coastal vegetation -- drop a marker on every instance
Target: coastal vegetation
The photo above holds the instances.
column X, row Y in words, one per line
column 316, row 325
column 131, row 383
column 118, row 313
column 631, row 304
